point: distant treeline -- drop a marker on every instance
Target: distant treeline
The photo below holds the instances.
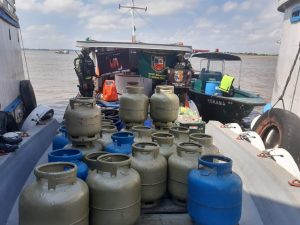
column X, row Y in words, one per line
column 41, row 49
column 251, row 53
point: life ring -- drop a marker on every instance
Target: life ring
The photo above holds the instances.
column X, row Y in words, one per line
column 27, row 96
column 253, row 122
column 280, row 128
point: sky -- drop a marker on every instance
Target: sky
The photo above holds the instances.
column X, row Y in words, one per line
column 230, row 25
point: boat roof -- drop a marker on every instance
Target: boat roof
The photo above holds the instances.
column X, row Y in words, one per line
column 217, row 56
column 130, row 45
column 285, row 4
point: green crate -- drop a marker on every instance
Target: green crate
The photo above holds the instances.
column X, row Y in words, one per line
column 198, row 127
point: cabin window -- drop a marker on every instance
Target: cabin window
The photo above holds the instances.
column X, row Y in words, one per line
column 9, row 34
column 295, row 18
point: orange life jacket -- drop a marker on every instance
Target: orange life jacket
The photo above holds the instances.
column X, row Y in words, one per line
column 109, row 92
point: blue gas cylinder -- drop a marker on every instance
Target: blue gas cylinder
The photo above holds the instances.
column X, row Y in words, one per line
column 122, row 143
column 61, row 139
column 214, row 192
column 119, row 124
column 70, row 155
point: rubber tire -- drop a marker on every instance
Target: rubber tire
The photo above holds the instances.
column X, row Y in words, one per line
column 27, row 96
column 288, row 126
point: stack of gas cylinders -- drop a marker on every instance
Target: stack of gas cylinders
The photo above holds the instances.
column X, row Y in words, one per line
column 133, row 169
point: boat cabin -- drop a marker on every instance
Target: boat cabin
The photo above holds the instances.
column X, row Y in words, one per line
column 212, row 70
column 125, row 62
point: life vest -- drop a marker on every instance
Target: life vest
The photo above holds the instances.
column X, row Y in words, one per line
column 226, row 83
column 88, row 67
column 181, row 72
column 109, row 92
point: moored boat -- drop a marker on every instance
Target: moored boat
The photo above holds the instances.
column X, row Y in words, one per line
column 215, row 104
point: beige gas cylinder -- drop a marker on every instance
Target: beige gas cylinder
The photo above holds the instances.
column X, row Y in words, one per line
column 181, row 134
column 83, row 120
column 91, row 159
column 105, row 135
column 115, row 191
column 134, row 105
column 166, row 143
column 179, row 165
column 164, row 105
column 142, row 133
column 207, row 142
column 56, row 197
column 86, row 148
column 152, row 168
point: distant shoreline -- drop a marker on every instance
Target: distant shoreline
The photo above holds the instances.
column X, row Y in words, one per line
column 251, row 54
column 234, row 53
column 49, row 50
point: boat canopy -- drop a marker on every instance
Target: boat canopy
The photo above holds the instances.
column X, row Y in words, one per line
column 217, row 56
column 130, row 45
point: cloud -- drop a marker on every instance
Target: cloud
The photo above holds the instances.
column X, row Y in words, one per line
column 51, row 6
column 235, row 25
column 212, row 9
column 40, row 28
column 46, row 36
column 246, row 5
column 27, row 5
column 203, row 23
column 109, row 2
column 229, row 6
column 168, row 7
column 107, row 21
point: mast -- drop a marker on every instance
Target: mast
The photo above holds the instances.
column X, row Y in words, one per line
column 132, row 11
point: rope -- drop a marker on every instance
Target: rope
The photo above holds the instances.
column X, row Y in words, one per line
column 288, row 80
column 294, row 183
column 292, row 103
column 24, row 55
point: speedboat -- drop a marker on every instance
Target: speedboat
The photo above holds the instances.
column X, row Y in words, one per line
column 214, row 104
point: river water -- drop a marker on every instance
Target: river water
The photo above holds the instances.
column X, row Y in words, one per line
column 55, row 82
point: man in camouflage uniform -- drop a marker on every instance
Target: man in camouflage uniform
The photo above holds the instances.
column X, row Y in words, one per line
column 180, row 77
column 85, row 70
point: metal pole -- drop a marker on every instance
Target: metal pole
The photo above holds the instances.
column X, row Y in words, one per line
column 132, row 11
column 133, row 23
column 240, row 75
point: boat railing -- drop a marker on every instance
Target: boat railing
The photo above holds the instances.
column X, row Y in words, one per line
column 9, row 7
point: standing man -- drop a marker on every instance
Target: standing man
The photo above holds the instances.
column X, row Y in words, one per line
column 180, row 77
column 85, row 70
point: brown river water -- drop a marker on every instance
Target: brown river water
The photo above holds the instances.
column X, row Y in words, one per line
column 55, row 82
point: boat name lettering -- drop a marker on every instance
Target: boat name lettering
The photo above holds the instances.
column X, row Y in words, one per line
column 216, row 102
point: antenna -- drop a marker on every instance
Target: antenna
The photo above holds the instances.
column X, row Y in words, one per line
column 132, row 9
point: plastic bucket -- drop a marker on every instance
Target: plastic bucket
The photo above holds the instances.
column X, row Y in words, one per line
column 211, row 87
